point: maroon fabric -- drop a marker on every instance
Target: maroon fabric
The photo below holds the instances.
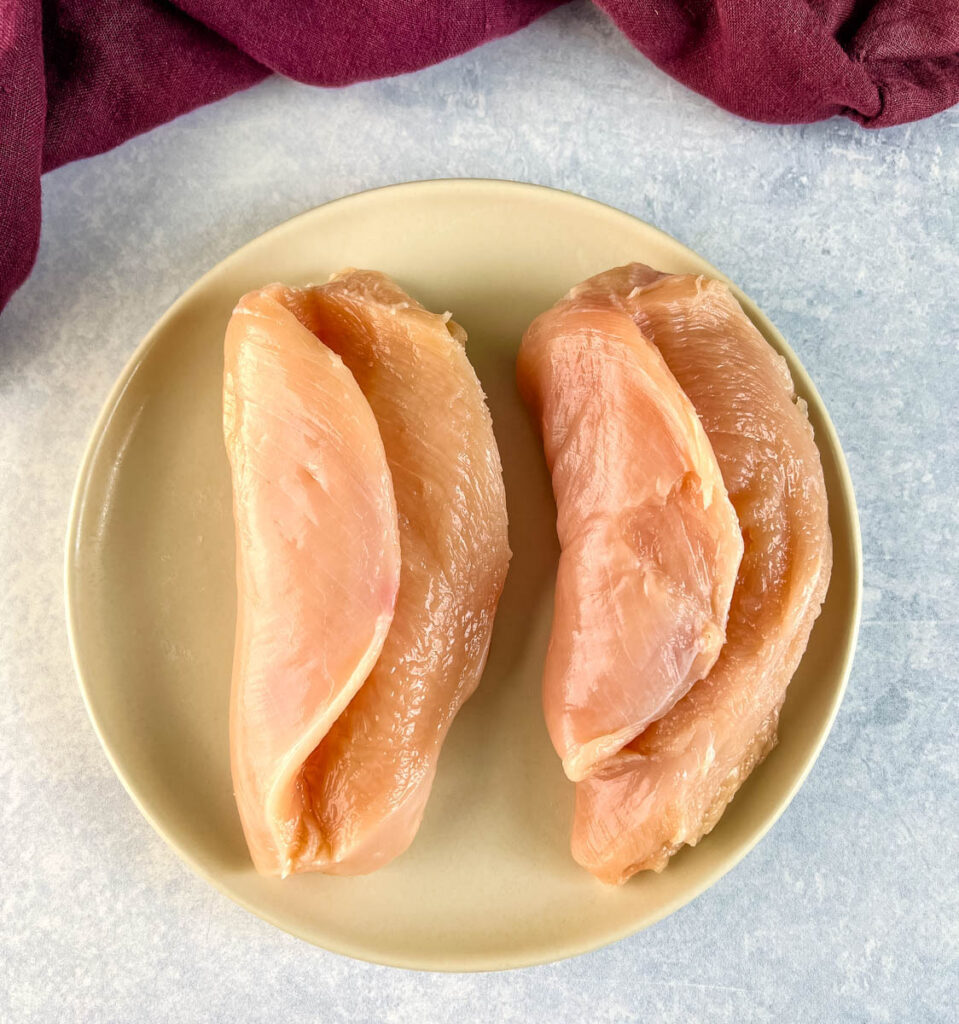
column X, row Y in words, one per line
column 80, row 76
column 792, row 61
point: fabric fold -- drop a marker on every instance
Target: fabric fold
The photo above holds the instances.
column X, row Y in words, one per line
column 78, row 77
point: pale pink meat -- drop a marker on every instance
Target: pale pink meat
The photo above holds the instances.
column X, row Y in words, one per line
column 371, row 776
column 317, row 562
column 670, row 785
column 364, row 785
column 650, row 542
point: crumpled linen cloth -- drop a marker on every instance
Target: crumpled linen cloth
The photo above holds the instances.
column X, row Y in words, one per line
column 80, row 76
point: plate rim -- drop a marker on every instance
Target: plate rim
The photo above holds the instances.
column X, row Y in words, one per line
column 470, row 962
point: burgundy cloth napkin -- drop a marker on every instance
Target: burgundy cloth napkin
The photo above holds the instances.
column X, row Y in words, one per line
column 80, row 76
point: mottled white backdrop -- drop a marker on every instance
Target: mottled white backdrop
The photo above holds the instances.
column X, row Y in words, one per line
column 848, row 910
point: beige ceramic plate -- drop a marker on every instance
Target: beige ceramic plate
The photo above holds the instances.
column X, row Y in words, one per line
column 489, row 882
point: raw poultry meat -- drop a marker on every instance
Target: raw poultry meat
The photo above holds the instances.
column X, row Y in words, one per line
column 371, row 775
column 671, row 784
column 363, row 784
column 318, row 562
column 650, row 542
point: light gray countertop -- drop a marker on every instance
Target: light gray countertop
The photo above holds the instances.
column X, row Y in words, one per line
column 849, row 909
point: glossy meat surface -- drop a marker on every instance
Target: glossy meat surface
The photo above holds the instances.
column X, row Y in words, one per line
column 363, row 784
column 670, row 786
column 370, row 778
column 650, row 542
column 318, row 562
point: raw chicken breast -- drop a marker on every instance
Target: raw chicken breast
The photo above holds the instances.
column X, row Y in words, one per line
column 366, row 783
column 318, row 564
column 650, row 542
column 670, row 785
column 371, row 776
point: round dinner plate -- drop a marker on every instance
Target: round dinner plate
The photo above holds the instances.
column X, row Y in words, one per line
column 489, row 881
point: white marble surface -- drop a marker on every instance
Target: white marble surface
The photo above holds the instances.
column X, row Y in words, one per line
column 848, row 910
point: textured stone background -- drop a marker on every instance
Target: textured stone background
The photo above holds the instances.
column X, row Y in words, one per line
column 848, row 910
